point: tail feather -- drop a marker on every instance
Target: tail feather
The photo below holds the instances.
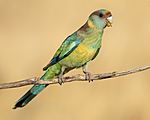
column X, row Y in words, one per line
column 50, row 73
column 36, row 89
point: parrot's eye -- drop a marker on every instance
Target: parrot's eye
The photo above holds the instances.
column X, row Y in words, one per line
column 100, row 15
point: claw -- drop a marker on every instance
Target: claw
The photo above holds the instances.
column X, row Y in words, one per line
column 60, row 80
column 88, row 76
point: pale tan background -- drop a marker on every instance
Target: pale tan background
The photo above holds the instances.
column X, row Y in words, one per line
column 32, row 30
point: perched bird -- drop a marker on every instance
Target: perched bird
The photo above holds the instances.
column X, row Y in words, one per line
column 76, row 51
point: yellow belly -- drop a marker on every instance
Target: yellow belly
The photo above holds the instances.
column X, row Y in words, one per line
column 78, row 57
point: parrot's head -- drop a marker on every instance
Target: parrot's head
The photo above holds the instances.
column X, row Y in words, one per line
column 101, row 19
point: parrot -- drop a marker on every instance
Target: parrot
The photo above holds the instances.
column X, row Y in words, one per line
column 76, row 51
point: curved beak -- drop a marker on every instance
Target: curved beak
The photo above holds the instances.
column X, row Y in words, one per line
column 109, row 21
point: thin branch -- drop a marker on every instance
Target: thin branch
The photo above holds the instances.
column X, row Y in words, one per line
column 78, row 77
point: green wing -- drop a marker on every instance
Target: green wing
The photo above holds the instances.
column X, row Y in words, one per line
column 65, row 49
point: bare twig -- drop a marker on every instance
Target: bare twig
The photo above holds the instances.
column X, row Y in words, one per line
column 72, row 78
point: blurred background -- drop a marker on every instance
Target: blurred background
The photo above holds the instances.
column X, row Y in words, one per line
column 32, row 30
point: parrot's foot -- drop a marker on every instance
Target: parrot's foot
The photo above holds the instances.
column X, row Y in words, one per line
column 60, row 79
column 88, row 76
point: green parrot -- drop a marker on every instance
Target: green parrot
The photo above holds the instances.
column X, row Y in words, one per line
column 76, row 51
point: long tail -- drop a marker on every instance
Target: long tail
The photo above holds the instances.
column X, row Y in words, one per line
column 25, row 99
column 36, row 89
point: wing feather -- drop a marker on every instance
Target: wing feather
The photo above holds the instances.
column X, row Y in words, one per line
column 65, row 49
